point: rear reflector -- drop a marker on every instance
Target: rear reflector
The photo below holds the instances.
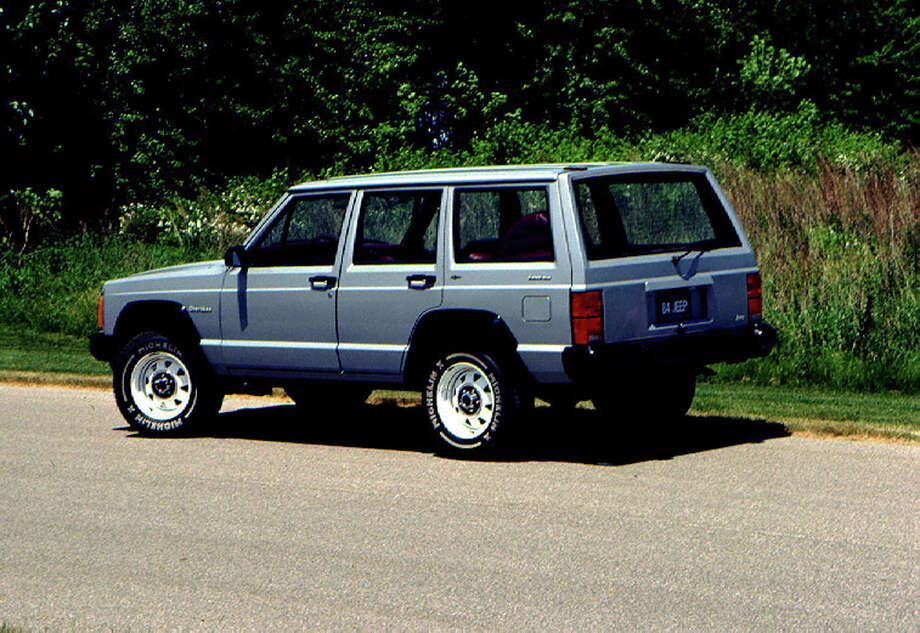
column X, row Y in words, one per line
column 101, row 324
column 755, row 300
column 587, row 317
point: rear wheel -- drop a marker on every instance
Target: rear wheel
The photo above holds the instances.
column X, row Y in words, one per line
column 470, row 402
column 662, row 397
column 678, row 392
column 161, row 387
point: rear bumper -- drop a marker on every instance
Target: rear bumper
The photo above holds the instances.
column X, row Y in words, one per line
column 102, row 346
column 583, row 362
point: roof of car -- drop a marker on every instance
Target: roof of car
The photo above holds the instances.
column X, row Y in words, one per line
column 520, row 173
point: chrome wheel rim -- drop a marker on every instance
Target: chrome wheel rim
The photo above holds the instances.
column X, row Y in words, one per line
column 465, row 401
column 161, row 386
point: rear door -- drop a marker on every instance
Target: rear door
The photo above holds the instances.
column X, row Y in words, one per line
column 390, row 277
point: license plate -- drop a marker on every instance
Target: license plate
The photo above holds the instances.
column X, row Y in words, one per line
column 673, row 306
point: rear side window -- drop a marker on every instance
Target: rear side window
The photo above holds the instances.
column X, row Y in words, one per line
column 398, row 227
column 502, row 224
column 651, row 213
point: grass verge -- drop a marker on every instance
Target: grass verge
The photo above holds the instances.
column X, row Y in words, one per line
column 814, row 411
column 28, row 357
column 27, row 351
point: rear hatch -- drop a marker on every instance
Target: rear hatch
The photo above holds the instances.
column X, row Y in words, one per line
column 665, row 250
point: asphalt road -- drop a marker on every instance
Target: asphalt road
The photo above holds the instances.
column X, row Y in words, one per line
column 270, row 522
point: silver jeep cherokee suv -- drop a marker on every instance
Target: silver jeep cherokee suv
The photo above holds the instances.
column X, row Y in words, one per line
column 483, row 287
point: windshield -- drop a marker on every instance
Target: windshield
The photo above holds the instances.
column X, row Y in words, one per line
column 635, row 214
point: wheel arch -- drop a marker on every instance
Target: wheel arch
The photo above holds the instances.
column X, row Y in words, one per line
column 166, row 317
column 440, row 331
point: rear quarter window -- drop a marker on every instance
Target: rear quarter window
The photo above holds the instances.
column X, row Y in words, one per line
column 502, row 224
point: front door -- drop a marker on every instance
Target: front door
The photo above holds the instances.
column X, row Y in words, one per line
column 278, row 312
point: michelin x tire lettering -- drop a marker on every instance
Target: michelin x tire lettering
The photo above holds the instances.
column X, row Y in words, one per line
column 160, row 388
column 469, row 400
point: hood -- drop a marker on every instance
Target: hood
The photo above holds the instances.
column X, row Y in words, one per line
column 182, row 270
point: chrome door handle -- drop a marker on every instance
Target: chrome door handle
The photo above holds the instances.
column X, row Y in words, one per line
column 322, row 282
column 420, row 282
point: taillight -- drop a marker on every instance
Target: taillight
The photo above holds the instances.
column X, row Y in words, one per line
column 587, row 317
column 101, row 324
column 755, row 300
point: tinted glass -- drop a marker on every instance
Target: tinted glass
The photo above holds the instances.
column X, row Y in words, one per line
column 627, row 215
column 305, row 233
column 398, row 227
column 502, row 224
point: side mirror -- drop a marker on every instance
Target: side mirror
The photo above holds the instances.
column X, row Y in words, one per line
column 235, row 257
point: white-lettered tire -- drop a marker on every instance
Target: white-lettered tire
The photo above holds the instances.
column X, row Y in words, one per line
column 161, row 388
column 470, row 402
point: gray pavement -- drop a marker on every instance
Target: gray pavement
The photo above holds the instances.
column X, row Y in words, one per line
column 270, row 521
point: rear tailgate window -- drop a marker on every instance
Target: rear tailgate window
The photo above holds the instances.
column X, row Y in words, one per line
column 636, row 214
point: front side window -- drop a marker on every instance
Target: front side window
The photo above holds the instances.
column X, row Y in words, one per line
column 398, row 227
column 651, row 213
column 502, row 224
column 305, row 233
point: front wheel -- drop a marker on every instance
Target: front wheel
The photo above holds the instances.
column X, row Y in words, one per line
column 469, row 401
column 160, row 387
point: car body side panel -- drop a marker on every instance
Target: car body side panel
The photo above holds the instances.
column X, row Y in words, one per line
column 538, row 291
column 272, row 319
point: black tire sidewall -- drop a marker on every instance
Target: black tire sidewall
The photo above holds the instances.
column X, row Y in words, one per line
column 503, row 405
column 134, row 351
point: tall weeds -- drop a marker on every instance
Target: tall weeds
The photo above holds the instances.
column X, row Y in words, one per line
column 839, row 253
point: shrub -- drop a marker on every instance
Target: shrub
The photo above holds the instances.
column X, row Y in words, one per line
column 55, row 288
column 31, row 215
column 208, row 223
column 771, row 140
column 841, row 267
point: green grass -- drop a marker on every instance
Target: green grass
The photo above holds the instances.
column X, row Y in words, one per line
column 820, row 411
column 23, row 350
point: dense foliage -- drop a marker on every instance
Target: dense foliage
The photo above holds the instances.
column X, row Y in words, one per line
column 107, row 103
